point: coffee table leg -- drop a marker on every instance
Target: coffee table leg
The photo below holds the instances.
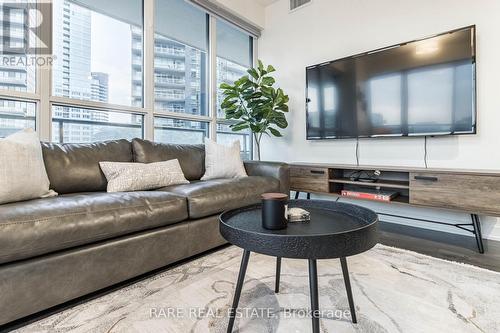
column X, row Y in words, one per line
column 278, row 273
column 313, row 285
column 237, row 293
column 345, row 272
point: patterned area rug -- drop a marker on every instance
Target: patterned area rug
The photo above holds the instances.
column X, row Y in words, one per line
column 394, row 291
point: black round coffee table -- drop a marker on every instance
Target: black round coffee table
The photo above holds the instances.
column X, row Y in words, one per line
column 336, row 230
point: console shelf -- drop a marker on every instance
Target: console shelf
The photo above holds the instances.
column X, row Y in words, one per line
column 385, row 183
column 470, row 191
column 401, row 199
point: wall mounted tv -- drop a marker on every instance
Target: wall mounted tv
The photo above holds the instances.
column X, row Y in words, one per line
column 421, row 88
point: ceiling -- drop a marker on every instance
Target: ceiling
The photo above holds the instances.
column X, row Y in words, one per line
column 267, row 2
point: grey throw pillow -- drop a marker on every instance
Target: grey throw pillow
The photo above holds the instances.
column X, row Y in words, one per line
column 22, row 170
column 127, row 177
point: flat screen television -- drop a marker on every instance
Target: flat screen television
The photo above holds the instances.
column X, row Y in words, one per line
column 421, row 88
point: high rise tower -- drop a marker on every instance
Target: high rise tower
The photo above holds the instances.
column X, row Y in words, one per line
column 17, row 73
column 74, row 79
column 100, row 87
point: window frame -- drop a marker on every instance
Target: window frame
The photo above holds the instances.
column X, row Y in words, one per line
column 44, row 98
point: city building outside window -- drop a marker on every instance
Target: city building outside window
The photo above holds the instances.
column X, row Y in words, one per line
column 234, row 57
column 178, row 131
column 95, row 89
column 95, row 59
column 16, row 75
column 181, row 60
column 98, row 57
column 226, row 136
column 76, row 125
column 15, row 116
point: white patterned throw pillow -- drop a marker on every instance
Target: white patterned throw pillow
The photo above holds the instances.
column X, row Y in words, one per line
column 127, row 177
column 223, row 161
column 22, row 170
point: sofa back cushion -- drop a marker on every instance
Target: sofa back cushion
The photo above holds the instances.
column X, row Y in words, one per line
column 191, row 157
column 75, row 167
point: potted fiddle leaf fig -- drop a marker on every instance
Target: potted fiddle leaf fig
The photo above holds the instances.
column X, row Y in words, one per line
column 256, row 104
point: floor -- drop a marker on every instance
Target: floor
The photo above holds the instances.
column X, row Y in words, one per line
column 441, row 245
column 438, row 244
column 394, row 291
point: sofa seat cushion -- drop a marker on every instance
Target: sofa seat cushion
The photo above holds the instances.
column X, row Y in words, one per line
column 214, row 196
column 35, row 227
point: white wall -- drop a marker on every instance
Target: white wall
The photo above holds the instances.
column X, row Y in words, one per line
column 330, row 29
column 251, row 10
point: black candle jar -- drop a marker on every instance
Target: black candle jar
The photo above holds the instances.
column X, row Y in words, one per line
column 274, row 211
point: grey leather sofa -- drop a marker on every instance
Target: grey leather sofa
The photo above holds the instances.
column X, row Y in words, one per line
column 56, row 249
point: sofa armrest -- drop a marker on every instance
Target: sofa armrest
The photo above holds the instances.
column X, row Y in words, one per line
column 278, row 170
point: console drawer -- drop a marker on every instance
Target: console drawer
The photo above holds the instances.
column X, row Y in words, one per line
column 306, row 179
column 470, row 193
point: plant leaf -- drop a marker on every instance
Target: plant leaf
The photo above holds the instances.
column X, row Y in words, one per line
column 239, row 127
column 268, row 81
column 253, row 73
column 226, row 86
column 254, row 103
column 260, row 65
column 282, row 107
column 275, row 132
column 267, row 91
column 270, row 69
column 280, row 121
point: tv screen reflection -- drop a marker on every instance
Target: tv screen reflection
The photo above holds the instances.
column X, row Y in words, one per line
column 425, row 87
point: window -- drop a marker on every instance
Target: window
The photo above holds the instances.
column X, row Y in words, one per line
column 98, row 51
column 169, row 130
column 15, row 116
column 226, row 136
column 79, row 125
column 98, row 68
column 180, row 60
column 17, row 73
column 234, row 57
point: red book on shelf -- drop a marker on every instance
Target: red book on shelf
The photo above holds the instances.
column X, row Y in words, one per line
column 378, row 196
